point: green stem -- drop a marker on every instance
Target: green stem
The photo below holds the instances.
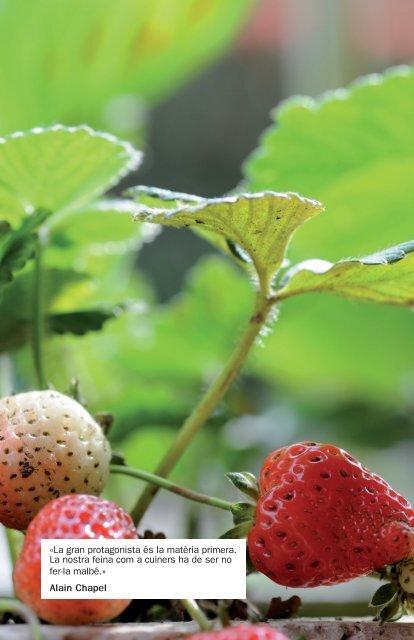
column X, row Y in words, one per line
column 208, row 403
column 171, row 486
column 12, row 545
column 14, row 606
column 197, row 614
column 38, row 320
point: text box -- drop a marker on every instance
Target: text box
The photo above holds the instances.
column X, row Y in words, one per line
column 143, row 569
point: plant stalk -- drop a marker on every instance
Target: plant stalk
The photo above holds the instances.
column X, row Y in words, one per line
column 12, row 545
column 197, row 614
column 14, row 606
column 38, row 319
column 163, row 483
column 208, row 402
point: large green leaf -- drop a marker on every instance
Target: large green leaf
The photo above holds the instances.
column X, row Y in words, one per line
column 96, row 237
column 258, row 226
column 386, row 277
column 63, row 61
column 354, row 151
column 59, row 169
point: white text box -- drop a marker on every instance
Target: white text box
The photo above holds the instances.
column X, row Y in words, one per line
column 143, row 569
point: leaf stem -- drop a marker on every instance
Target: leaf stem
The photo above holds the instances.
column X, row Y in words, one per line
column 171, row 486
column 209, row 401
column 14, row 606
column 197, row 614
column 37, row 318
column 12, row 545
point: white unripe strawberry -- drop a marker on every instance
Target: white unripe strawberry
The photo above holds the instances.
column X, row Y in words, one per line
column 49, row 446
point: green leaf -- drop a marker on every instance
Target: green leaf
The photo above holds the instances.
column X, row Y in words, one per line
column 385, row 277
column 239, row 531
column 95, row 237
column 17, row 246
column 16, row 303
column 391, row 612
column 245, row 482
column 384, row 594
column 260, row 225
column 59, row 169
column 80, row 322
column 95, row 62
column 243, row 512
column 177, row 348
column 352, row 149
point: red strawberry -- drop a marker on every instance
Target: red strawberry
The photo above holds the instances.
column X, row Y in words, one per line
column 78, row 517
column 322, row 518
column 242, row 632
column 49, row 446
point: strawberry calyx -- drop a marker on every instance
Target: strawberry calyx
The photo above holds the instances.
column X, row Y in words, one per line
column 395, row 598
column 243, row 513
column 246, row 483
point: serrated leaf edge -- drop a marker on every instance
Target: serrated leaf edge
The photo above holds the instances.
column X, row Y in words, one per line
column 135, row 156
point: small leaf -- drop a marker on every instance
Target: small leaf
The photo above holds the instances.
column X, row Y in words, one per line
column 59, row 168
column 391, row 612
column 16, row 301
column 243, row 512
column 386, row 277
column 80, row 322
column 245, row 482
column 17, row 246
column 257, row 225
column 383, row 595
column 239, row 531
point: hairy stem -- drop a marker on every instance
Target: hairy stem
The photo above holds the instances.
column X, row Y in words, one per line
column 14, row 606
column 38, row 319
column 208, row 403
column 197, row 614
column 162, row 483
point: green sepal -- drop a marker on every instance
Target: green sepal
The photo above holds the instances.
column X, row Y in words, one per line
column 243, row 512
column 383, row 595
column 245, row 482
column 105, row 421
column 391, row 612
column 239, row 531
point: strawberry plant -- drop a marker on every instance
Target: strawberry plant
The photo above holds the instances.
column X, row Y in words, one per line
column 67, row 278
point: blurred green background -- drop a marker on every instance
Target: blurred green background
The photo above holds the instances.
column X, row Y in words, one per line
column 192, row 82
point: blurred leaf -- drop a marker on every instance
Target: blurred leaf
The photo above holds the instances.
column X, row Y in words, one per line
column 59, row 169
column 385, row 277
column 16, row 303
column 258, row 225
column 17, row 246
column 80, row 322
column 354, row 151
column 63, row 61
column 149, row 365
column 94, row 237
